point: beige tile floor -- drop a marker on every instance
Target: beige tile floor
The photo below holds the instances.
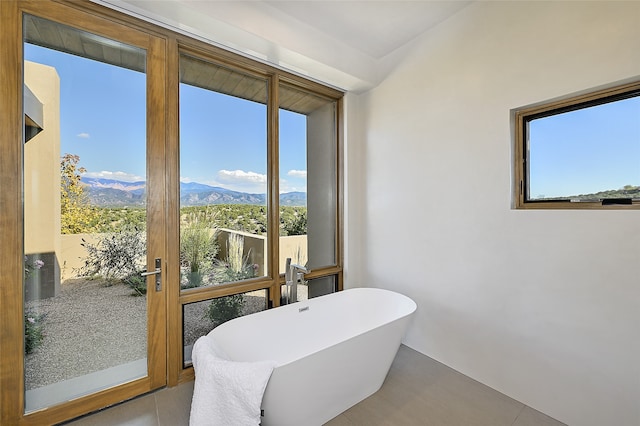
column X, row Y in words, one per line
column 417, row 391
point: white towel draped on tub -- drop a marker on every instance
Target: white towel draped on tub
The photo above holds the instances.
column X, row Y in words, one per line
column 226, row 392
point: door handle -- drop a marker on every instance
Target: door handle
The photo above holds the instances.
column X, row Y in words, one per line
column 157, row 272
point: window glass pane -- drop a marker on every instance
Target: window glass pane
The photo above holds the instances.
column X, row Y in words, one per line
column 308, row 179
column 223, row 174
column 84, row 213
column 590, row 153
column 200, row 318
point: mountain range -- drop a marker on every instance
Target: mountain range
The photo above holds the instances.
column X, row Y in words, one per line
column 116, row 193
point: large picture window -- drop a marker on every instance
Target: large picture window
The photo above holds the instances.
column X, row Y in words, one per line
column 258, row 191
column 582, row 152
column 151, row 185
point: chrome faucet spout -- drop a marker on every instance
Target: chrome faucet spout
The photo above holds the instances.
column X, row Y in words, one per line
column 299, row 268
column 286, row 297
column 293, row 274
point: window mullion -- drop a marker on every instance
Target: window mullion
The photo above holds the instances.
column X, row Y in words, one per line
column 273, row 173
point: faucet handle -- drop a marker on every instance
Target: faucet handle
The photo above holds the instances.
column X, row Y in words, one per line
column 299, row 272
column 299, row 268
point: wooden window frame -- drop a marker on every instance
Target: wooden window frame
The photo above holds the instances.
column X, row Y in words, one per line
column 521, row 118
column 273, row 281
column 11, row 168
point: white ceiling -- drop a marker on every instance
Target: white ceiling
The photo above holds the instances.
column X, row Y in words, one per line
column 376, row 28
column 339, row 42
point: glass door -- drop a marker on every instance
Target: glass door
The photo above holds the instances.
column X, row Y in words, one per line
column 94, row 196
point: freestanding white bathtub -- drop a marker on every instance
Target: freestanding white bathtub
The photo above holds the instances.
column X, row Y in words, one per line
column 331, row 351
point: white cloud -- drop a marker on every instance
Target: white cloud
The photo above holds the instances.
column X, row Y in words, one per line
column 83, row 135
column 240, row 177
column 239, row 180
column 297, row 173
column 286, row 186
column 123, row 176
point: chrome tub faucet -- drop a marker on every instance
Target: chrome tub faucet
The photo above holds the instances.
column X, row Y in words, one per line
column 293, row 274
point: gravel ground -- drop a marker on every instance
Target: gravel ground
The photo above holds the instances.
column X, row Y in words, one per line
column 197, row 324
column 89, row 327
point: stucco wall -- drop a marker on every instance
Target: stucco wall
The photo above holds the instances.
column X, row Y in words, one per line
column 42, row 161
column 42, row 186
column 541, row 305
column 72, row 252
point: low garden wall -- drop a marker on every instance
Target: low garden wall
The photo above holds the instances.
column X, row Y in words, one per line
column 72, row 253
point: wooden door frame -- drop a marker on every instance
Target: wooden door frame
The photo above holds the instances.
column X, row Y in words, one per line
column 163, row 134
column 11, row 223
column 12, row 386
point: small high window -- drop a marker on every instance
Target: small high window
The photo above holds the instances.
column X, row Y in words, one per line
column 582, row 152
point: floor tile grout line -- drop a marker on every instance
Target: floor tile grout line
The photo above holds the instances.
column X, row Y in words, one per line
column 155, row 401
column 519, row 413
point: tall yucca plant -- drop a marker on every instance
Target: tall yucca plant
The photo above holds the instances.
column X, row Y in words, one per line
column 235, row 247
column 234, row 267
column 198, row 243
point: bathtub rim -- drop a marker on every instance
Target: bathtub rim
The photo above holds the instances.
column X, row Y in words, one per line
column 410, row 305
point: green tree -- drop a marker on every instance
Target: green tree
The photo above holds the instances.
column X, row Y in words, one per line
column 293, row 220
column 76, row 215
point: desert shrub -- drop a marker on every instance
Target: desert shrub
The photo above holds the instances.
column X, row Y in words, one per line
column 225, row 308
column 33, row 335
column 137, row 282
column 293, row 221
column 224, row 273
column 114, row 219
column 115, row 256
column 192, row 279
column 198, row 248
column 235, row 267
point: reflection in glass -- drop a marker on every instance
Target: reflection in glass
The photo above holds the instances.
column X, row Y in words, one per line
column 84, row 213
column 200, row 318
column 223, row 183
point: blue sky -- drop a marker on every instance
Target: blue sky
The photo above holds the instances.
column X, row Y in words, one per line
column 585, row 151
column 223, row 138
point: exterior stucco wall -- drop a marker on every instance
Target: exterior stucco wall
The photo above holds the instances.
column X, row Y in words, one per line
column 42, row 185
